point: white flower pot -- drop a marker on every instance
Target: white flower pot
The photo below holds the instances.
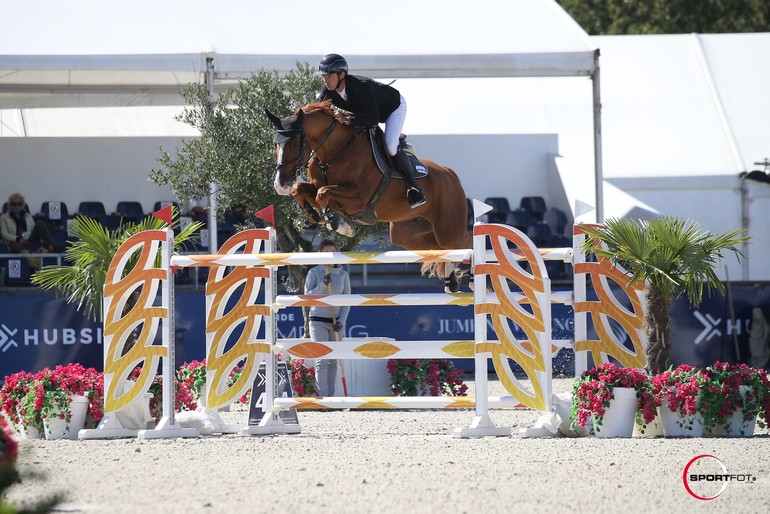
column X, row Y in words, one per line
column 735, row 425
column 618, row 420
column 57, row 428
column 653, row 429
column 675, row 425
column 27, row 432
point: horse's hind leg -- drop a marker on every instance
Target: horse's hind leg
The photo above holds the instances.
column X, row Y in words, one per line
column 414, row 234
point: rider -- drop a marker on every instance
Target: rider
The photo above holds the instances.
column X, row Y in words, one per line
column 371, row 103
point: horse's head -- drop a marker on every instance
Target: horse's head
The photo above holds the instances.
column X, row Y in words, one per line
column 291, row 149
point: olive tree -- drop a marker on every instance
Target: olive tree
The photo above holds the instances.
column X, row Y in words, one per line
column 235, row 150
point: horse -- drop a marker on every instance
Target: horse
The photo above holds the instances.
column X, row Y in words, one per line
column 344, row 177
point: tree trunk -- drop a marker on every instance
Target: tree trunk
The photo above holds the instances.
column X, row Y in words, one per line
column 658, row 319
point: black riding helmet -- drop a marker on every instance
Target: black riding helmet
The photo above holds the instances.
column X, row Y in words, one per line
column 332, row 63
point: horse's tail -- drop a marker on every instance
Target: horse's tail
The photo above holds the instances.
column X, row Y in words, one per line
column 431, row 269
column 438, row 269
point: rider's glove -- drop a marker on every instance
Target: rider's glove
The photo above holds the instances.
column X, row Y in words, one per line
column 337, row 326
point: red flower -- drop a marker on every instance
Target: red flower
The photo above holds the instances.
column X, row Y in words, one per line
column 593, row 392
column 8, row 446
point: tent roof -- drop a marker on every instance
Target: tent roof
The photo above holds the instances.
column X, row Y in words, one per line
column 87, row 53
column 684, row 105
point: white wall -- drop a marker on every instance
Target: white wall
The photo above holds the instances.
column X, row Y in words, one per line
column 73, row 170
column 509, row 165
column 716, row 203
column 112, row 169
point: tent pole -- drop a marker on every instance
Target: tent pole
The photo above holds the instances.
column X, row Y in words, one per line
column 599, row 173
column 212, row 219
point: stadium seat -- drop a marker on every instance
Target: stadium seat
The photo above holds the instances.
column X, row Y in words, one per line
column 535, row 205
column 110, row 221
column 500, row 209
column 54, row 214
column 92, row 209
column 540, row 234
column 130, row 211
column 16, row 271
column 519, row 219
column 159, row 205
column 556, row 219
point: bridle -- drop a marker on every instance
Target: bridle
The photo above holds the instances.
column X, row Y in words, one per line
column 324, row 167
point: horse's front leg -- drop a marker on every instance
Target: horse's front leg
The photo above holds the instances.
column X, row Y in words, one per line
column 341, row 195
column 304, row 194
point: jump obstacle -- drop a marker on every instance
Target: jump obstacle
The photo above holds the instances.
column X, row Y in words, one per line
column 512, row 287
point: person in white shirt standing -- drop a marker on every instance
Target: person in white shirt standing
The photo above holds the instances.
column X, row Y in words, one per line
column 327, row 323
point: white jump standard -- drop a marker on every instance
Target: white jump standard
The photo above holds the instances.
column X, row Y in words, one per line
column 512, row 287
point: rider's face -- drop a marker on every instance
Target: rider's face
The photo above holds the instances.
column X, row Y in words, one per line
column 332, row 81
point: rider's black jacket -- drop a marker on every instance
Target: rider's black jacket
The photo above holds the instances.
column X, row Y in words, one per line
column 371, row 102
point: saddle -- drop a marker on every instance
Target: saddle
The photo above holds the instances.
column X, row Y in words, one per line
column 387, row 168
column 384, row 161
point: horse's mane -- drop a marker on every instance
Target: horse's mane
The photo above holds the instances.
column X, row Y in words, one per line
column 325, row 106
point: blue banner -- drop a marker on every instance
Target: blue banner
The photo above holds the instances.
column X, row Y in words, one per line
column 40, row 331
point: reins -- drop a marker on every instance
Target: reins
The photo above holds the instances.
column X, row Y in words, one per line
column 314, row 151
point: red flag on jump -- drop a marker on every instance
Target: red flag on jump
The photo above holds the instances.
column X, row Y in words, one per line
column 267, row 214
column 164, row 214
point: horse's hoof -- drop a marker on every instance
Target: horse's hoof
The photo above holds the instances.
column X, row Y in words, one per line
column 451, row 285
column 332, row 224
column 345, row 229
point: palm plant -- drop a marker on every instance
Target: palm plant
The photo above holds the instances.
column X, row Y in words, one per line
column 82, row 281
column 673, row 257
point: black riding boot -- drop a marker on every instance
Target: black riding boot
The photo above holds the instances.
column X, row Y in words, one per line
column 404, row 167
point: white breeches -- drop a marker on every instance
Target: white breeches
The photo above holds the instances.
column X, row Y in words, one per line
column 393, row 126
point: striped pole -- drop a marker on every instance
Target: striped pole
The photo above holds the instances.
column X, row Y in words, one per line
column 315, row 258
column 405, row 299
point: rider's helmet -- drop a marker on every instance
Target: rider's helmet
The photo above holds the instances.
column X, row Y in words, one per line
column 332, row 63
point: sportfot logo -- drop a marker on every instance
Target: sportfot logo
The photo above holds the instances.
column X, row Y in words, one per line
column 706, row 477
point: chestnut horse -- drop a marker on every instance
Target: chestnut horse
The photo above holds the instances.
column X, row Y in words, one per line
column 344, row 177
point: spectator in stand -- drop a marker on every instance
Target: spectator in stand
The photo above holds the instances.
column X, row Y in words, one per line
column 21, row 232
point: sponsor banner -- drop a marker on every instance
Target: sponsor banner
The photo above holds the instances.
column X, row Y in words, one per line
column 718, row 330
column 42, row 331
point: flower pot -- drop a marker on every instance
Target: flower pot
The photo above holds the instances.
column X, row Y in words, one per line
column 735, row 425
column 136, row 415
column 618, row 420
column 653, row 429
column 675, row 425
column 58, row 428
column 28, row 431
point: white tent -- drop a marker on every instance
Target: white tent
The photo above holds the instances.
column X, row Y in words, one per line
column 86, row 54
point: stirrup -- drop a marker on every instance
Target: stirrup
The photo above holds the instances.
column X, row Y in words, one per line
column 415, row 197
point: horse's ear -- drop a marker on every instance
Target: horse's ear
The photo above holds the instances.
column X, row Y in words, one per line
column 300, row 118
column 275, row 120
